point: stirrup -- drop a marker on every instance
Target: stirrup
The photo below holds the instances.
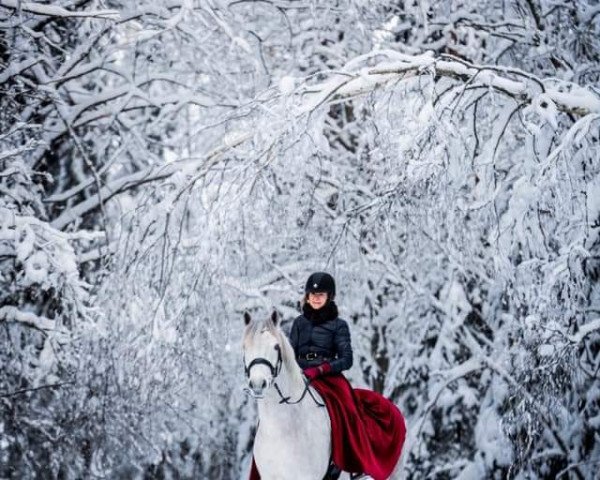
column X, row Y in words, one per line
column 333, row 472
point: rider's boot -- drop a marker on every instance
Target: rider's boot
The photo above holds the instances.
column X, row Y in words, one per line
column 333, row 472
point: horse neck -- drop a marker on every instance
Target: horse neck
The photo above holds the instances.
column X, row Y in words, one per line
column 290, row 382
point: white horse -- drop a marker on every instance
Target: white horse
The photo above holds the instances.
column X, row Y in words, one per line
column 293, row 437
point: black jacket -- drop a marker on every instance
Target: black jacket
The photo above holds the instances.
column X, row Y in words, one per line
column 324, row 335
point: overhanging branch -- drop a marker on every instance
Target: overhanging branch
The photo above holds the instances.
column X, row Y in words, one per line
column 524, row 87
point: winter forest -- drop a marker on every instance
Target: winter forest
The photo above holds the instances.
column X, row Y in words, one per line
column 167, row 165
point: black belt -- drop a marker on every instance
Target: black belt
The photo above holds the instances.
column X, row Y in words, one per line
column 314, row 356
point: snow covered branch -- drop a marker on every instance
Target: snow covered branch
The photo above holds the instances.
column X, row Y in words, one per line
column 358, row 79
column 34, row 389
column 54, row 11
column 149, row 175
column 585, row 330
column 13, row 314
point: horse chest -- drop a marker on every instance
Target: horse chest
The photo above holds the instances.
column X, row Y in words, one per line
column 293, row 443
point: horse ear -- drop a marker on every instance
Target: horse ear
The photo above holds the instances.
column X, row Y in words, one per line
column 274, row 317
column 247, row 318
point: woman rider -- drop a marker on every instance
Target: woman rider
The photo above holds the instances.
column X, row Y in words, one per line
column 321, row 340
column 368, row 430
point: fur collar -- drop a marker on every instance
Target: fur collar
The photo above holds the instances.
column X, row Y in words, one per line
column 328, row 312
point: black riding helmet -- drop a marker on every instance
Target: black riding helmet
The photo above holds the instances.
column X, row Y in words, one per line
column 321, row 282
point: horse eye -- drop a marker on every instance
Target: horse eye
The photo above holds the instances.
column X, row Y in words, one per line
column 276, row 347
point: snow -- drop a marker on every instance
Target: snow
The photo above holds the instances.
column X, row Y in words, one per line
column 12, row 314
column 36, row 268
column 165, row 166
column 25, row 242
column 287, row 84
column 578, row 99
column 55, row 11
column 472, row 471
column 584, row 330
column 546, row 108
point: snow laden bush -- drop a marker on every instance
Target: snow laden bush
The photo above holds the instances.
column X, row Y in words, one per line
column 164, row 347
column 43, row 305
column 90, row 96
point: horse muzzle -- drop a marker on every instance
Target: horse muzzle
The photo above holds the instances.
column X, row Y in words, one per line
column 256, row 387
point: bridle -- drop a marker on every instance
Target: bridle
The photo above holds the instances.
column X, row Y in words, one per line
column 275, row 370
column 263, row 361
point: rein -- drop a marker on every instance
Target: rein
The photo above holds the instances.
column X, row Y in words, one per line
column 286, row 400
column 275, row 370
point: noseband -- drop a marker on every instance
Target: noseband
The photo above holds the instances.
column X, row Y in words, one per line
column 263, row 361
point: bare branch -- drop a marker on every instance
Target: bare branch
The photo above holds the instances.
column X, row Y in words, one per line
column 35, row 389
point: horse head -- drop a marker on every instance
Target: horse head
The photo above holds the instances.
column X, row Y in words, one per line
column 262, row 353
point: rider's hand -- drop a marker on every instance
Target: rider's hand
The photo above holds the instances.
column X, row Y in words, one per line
column 313, row 372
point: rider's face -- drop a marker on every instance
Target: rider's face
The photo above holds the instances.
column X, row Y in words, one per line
column 317, row 299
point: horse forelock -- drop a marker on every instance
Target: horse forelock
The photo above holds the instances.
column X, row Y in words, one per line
column 250, row 331
column 256, row 327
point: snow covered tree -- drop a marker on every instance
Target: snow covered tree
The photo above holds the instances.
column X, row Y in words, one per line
column 165, row 166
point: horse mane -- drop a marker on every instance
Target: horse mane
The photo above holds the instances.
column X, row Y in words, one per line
column 287, row 352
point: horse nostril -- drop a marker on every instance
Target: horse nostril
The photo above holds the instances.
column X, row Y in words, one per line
column 258, row 385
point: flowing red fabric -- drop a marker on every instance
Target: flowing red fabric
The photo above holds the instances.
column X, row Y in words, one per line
column 367, row 430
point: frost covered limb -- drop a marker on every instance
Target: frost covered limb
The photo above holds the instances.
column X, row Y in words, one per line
column 55, row 11
column 18, row 68
column 585, row 330
column 13, row 314
column 153, row 174
column 34, row 389
column 359, row 79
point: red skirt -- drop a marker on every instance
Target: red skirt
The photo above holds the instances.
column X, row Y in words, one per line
column 367, row 430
